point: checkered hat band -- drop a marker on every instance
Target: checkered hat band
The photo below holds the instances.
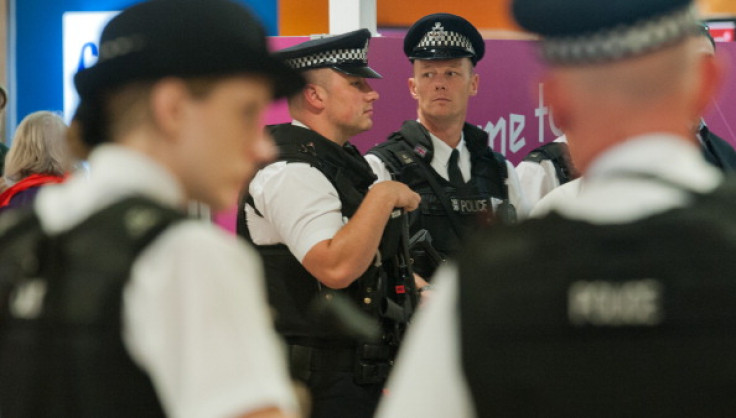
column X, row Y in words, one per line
column 335, row 56
column 445, row 39
column 622, row 41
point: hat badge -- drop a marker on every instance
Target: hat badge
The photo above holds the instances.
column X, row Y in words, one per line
column 437, row 33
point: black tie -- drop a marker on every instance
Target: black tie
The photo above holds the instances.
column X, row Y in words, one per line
column 453, row 170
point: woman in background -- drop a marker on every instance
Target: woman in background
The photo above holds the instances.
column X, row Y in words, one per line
column 37, row 156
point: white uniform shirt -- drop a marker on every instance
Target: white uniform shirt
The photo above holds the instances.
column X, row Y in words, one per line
column 552, row 199
column 298, row 204
column 195, row 316
column 429, row 383
column 440, row 160
column 538, row 179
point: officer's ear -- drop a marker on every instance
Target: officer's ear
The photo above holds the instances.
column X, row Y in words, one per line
column 474, row 81
column 169, row 99
column 315, row 95
column 557, row 99
column 711, row 70
column 413, row 88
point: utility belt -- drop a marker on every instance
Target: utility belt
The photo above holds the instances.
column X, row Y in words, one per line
column 369, row 363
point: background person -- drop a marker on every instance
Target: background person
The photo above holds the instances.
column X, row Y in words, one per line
column 463, row 183
column 604, row 308
column 324, row 228
column 38, row 156
column 123, row 307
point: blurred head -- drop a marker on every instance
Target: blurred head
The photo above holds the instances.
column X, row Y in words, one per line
column 621, row 69
column 187, row 83
column 39, row 147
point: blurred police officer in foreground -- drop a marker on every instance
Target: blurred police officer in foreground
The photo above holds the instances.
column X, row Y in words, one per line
column 114, row 304
column 446, row 160
column 622, row 302
column 550, row 165
column 324, row 231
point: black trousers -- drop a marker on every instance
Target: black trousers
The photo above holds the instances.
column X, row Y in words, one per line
column 335, row 395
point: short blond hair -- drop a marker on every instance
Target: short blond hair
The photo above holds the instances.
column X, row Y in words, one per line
column 39, row 147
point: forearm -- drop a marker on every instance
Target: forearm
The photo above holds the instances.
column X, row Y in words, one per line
column 339, row 261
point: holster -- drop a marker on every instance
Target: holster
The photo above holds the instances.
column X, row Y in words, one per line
column 374, row 362
column 425, row 257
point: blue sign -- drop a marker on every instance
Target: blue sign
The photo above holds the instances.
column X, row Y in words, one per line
column 35, row 62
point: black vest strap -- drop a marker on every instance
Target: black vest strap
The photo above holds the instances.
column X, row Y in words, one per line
column 559, row 154
column 447, row 212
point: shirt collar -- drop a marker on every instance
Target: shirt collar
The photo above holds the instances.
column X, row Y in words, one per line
column 442, row 151
column 679, row 161
column 115, row 172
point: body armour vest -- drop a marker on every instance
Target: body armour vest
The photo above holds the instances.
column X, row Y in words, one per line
column 581, row 319
column 452, row 213
column 558, row 153
column 383, row 291
column 61, row 350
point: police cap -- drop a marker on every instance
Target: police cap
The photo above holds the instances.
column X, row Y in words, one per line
column 347, row 53
column 185, row 38
column 585, row 31
column 442, row 36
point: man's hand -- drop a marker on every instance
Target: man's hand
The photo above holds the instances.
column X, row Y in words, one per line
column 399, row 193
column 423, row 288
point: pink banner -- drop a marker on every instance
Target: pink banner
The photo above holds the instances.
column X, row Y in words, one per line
column 509, row 106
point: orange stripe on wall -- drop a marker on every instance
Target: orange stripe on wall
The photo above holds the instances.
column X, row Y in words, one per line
column 718, row 7
column 305, row 17
column 484, row 14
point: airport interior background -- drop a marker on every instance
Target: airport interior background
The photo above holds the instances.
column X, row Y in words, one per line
column 32, row 43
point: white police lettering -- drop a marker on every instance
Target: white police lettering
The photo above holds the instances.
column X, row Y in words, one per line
column 26, row 300
column 605, row 303
column 468, row 206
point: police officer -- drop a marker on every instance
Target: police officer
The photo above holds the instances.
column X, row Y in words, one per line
column 551, row 165
column 319, row 223
column 716, row 150
column 545, row 168
column 606, row 308
column 112, row 303
column 440, row 156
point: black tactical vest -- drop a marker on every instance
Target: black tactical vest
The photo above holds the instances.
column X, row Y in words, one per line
column 408, row 154
column 575, row 319
column 383, row 292
column 61, row 352
column 558, row 153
